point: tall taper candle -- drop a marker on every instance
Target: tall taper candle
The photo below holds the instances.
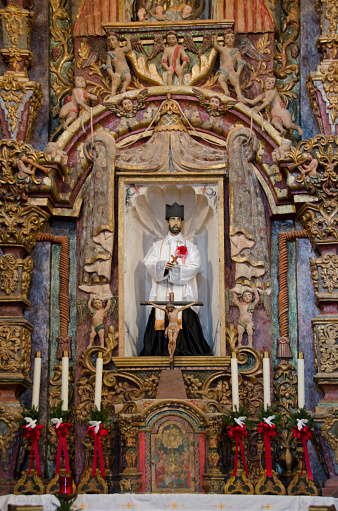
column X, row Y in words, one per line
column 36, row 379
column 301, row 380
column 98, row 381
column 234, row 382
column 266, row 380
column 64, row 380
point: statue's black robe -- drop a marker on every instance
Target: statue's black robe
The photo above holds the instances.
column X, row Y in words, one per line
column 190, row 340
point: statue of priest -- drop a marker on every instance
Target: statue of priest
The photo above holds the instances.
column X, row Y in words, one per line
column 173, row 264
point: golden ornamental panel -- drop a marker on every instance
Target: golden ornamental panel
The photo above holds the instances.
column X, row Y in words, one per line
column 325, row 338
column 15, row 348
column 325, row 277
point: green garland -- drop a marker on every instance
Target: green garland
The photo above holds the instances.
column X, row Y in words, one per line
column 270, row 410
column 301, row 414
column 99, row 415
column 33, row 413
column 230, row 417
column 58, row 413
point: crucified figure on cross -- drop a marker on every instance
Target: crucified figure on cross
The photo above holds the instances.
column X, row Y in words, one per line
column 172, row 330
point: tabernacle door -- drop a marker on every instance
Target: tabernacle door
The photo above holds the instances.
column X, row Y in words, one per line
column 141, row 223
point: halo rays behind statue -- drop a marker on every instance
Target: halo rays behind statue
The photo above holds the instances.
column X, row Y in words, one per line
column 146, row 224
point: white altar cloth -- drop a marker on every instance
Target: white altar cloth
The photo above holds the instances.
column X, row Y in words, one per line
column 49, row 502
column 197, row 502
column 173, row 502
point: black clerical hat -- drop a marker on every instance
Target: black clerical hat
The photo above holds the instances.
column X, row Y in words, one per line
column 174, row 210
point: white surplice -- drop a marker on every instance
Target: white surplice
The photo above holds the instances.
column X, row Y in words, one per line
column 181, row 279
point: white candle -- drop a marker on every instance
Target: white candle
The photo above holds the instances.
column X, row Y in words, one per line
column 234, row 382
column 36, row 380
column 301, row 380
column 98, row 381
column 266, row 380
column 64, row 380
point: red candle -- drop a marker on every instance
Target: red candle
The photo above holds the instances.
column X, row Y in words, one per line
column 66, row 485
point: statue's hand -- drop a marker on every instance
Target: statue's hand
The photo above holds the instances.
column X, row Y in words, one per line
column 168, row 266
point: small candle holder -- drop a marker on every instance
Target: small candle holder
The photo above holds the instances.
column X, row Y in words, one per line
column 30, row 482
column 66, row 485
column 238, row 484
column 301, row 484
column 62, row 483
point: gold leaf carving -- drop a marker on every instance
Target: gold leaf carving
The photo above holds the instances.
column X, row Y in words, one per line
column 9, row 348
column 328, row 347
column 9, row 273
column 263, row 43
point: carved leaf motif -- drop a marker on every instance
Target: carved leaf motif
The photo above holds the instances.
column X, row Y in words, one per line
column 328, row 347
column 9, row 348
column 263, row 43
column 9, row 273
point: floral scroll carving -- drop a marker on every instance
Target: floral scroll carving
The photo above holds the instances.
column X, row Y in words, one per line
column 10, row 348
column 9, row 273
column 328, row 347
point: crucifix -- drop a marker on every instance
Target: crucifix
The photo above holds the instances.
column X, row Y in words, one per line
column 172, row 330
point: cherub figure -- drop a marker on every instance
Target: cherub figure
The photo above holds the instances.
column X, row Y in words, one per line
column 121, row 77
column 280, row 116
column 230, row 60
column 127, row 108
column 214, row 107
column 97, row 313
column 309, row 166
column 246, row 309
column 53, row 150
column 78, row 98
column 142, row 14
column 159, row 14
column 172, row 56
column 187, row 12
column 172, row 330
column 26, row 175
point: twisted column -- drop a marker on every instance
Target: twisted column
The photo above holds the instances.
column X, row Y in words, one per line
column 64, row 339
column 283, row 293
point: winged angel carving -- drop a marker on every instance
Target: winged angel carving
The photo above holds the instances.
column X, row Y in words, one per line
column 170, row 62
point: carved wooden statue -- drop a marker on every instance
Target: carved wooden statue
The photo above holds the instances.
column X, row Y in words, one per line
column 77, row 100
column 231, row 64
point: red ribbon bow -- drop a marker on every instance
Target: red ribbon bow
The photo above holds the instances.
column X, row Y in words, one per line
column 304, row 434
column 35, row 435
column 98, row 447
column 62, row 431
column 268, row 431
column 238, row 433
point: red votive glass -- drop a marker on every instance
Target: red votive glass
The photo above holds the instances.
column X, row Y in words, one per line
column 66, row 485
